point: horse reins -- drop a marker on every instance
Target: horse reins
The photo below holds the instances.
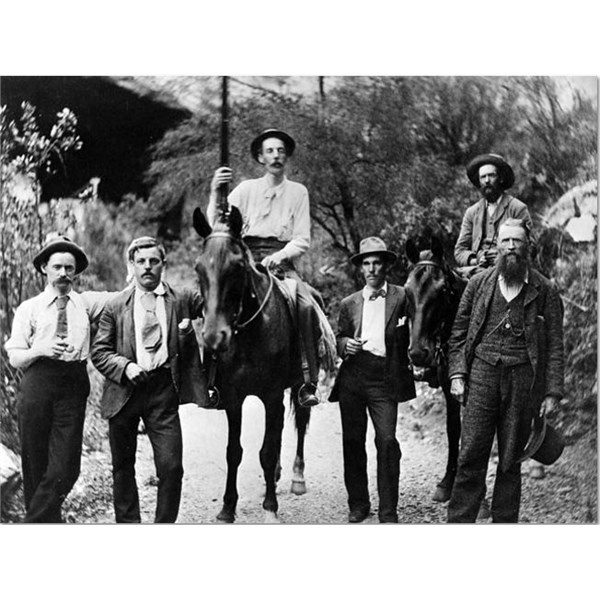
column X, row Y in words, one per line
column 235, row 325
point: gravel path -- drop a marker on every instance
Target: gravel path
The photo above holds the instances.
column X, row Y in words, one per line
column 568, row 493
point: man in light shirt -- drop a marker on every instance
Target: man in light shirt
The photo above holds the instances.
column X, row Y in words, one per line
column 372, row 340
column 139, row 348
column 50, row 342
column 476, row 246
column 276, row 228
column 506, row 366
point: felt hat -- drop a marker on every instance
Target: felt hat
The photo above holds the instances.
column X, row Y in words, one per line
column 256, row 145
column 505, row 171
column 545, row 444
column 372, row 245
column 60, row 243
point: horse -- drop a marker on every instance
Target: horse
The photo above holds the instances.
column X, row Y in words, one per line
column 249, row 330
column 433, row 292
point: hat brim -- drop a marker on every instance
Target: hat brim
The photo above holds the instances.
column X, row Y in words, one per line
column 545, row 443
column 256, row 145
column 386, row 254
column 506, row 172
column 81, row 260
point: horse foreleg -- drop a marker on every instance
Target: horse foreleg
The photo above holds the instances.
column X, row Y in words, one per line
column 269, row 455
column 444, row 487
column 234, row 458
column 302, row 417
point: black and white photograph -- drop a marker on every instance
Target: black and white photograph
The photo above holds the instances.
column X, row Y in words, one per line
column 239, row 230
column 249, row 321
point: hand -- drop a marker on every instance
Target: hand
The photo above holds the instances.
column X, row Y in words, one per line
column 547, row 405
column 490, row 256
column 353, row 346
column 53, row 348
column 222, row 175
column 135, row 373
column 457, row 390
column 270, row 262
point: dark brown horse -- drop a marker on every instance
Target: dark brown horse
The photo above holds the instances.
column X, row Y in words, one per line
column 433, row 292
column 248, row 328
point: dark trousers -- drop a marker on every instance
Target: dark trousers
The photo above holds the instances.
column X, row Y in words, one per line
column 361, row 390
column 51, row 412
column 157, row 404
column 499, row 401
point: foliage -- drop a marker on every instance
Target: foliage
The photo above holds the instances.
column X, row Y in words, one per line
column 386, row 156
column 28, row 157
column 576, row 275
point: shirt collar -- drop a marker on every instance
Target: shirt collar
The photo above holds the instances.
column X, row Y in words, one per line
column 159, row 290
column 367, row 291
column 50, row 295
column 278, row 188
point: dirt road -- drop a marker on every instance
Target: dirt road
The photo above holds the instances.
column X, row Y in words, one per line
column 568, row 493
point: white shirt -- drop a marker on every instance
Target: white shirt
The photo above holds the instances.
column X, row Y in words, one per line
column 373, row 322
column 282, row 212
column 511, row 291
column 150, row 360
column 35, row 321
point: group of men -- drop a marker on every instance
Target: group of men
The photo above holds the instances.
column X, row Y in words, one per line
column 145, row 340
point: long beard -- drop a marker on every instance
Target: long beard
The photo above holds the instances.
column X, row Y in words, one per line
column 513, row 271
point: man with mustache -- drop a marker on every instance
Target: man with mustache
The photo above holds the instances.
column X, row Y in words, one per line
column 374, row 376
column 506, row 365
column 50, row 343
column 276, row 215
column 477, row 242
column 147, row 350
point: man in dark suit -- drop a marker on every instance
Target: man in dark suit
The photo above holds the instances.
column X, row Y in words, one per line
column 373, row 343
column 477, row 242
column 507, row 345
column 144, row 332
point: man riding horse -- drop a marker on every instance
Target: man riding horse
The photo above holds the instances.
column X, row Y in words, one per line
column 276, row 229
column 476, row 247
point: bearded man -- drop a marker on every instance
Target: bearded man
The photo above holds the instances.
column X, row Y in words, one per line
column 476, row 246
column 506, row 366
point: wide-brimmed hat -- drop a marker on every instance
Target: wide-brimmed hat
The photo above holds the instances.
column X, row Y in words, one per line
column 288, row 140
column 60, row 243
column 505, row 171
column 545, row 444
column 372, row 245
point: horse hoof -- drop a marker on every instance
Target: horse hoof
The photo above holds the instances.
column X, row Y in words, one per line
column 226, row 516
column 441, row 494
column 271, row 517
column 298, row 488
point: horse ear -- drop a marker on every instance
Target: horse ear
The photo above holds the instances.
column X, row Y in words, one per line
column 235, row 221
column 437, row 249
column 203, row 229
column 411, row 251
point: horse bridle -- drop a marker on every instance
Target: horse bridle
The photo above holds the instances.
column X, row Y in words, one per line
column 441, row 347
column 235, row 325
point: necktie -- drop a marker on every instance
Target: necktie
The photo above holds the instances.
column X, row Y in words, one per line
column 62, row 328
column 151, row 331
column 378, row 294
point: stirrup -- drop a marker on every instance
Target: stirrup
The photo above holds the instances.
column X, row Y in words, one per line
column 214, row 397
column 307, row 395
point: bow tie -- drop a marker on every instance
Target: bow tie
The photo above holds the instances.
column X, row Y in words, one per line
column 378, row 294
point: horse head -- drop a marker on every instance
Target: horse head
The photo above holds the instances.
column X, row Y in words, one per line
column 222, row 270
column 428, row 304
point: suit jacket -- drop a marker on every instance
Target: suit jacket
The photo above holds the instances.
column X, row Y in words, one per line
column 114, row 348
column 471, row 231
column 398, row 376
column 543, row 330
